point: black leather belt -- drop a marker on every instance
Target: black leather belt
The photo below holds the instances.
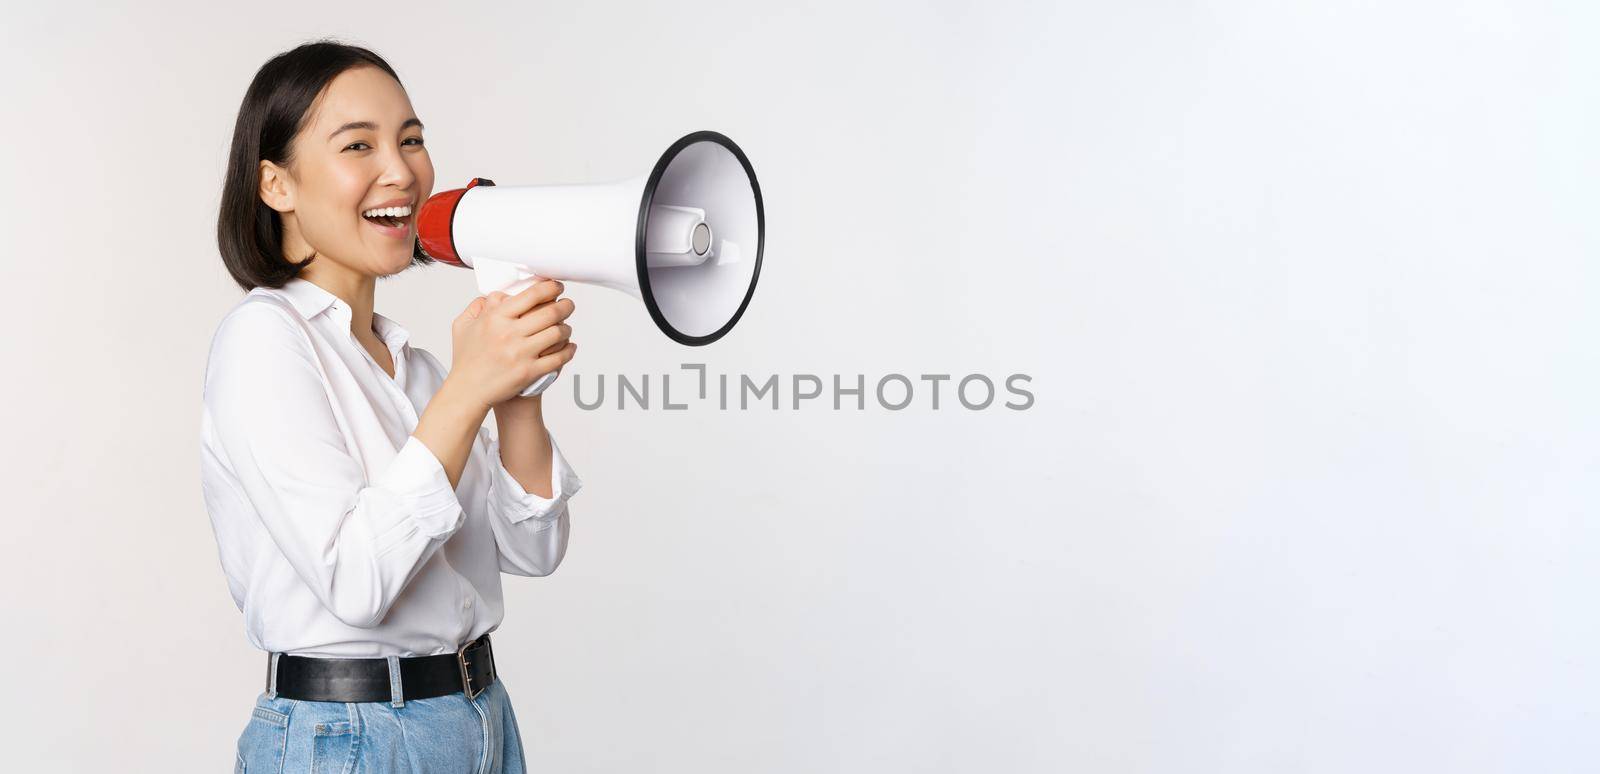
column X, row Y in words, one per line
column 468, row 670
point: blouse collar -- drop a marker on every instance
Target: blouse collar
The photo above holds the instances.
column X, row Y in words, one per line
column 311, row 299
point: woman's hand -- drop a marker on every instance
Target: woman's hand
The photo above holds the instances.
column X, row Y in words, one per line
column 503, row 343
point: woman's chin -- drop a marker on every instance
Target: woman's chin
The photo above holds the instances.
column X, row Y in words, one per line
column 392, row 258
column 397, row 264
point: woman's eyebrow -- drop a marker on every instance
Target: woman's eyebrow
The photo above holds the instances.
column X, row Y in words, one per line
column 368, row 125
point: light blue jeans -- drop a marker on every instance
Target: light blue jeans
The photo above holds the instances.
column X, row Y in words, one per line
column 448, row 733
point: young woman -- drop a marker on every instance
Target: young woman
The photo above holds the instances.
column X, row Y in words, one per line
column 362, row 512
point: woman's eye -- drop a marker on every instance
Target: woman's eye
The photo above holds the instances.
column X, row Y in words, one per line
column 363, row 146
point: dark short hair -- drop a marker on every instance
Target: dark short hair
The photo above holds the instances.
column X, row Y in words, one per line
column 275, row 108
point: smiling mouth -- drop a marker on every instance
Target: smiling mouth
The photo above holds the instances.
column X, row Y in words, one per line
column 391, row 217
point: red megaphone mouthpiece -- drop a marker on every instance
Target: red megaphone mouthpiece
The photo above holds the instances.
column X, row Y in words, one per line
column 433, row 223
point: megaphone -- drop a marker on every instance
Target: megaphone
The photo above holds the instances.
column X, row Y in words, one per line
column 685, row 239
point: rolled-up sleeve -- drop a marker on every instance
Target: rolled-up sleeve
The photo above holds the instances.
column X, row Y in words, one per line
column 355, row 543
column 530, row 531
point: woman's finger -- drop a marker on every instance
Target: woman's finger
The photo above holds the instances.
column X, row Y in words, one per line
column 545, row 315
column 554, row 348
column 551, row 337
column 563, row 356
column 538, row 293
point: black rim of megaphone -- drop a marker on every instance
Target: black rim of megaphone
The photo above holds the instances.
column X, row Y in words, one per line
column 644, row 222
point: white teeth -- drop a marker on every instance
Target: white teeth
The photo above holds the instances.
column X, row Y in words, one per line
column 388, row 212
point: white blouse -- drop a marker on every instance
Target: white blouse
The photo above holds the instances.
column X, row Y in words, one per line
column 338, row 530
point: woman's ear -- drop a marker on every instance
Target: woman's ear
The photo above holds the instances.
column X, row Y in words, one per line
column 276, row 189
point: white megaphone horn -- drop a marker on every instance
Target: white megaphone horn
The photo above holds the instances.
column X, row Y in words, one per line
column 686, row 238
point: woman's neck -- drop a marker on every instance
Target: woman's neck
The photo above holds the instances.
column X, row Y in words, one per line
column 353, row 288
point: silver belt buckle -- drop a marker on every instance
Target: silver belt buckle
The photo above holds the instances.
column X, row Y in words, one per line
column 466, row 676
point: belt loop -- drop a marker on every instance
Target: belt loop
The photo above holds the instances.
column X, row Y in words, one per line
column 397, row 697
column 272, row 675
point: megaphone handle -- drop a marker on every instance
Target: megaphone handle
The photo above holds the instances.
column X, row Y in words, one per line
column 511, row 279
column 540, row 384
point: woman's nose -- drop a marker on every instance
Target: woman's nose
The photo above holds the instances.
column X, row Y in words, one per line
column 396, row 171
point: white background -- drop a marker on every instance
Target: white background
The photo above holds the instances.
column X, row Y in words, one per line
column 1307, row 295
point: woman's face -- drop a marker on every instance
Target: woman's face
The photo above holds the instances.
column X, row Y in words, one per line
column 361, row 150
